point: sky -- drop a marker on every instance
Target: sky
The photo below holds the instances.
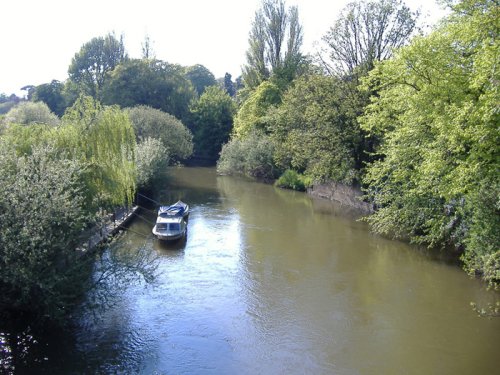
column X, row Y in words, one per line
column 39, row 38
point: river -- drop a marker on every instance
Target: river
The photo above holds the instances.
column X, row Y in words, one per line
column 270, row 281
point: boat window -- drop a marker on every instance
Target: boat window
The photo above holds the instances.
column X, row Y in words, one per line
column 161, row 226
column 174, row 226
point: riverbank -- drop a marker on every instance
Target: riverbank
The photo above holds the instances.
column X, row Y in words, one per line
column 115, row 222
column 346, row 195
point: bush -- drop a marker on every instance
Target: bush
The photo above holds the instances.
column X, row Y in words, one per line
column 42, row 213
column 27, row 113
column 251, row 156
column 153, row 123
column 151, row 155
column 293, row 180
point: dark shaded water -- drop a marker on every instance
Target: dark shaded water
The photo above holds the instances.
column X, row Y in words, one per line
column 274, row 282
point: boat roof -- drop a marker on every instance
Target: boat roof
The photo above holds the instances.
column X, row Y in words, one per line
column 169, row 219
column 176, row 209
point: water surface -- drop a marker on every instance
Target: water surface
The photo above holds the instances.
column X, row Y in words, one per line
column 274, row 282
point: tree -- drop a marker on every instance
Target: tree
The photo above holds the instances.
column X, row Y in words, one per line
column 437, row 179
column 152, row 83
column 211, row 122
column 252, row 115
column 200, row 77
column 367, row 31
column 28, row 113
column 274, row 44
column 51, row 94
column 147, row 49
column 98, row 57
column 314, row 131
column 102, row 139
column 152, row 123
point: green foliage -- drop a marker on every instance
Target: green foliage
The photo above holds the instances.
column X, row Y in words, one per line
column 90, row 66
column 27, row 113
column 437, row 115
column 102, row 138
column 51, row 94
column 211, row 122
column 151, row 156
column 274, row 45
column 200, row 77
column 290, row 179
column 229, row 85
column 315, row 130
column 42, row 214
column 23, row 138
column 252, row 116
column 251, row 156
column 153, row 123
column 153, row 83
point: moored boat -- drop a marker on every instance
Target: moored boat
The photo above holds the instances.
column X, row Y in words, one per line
column 171, row 223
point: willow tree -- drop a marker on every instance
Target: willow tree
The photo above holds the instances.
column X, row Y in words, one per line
column 274, row 44
column 102, row 139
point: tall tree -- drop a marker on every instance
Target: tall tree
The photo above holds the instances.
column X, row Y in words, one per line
column 90, row 66
column 367, row 31
column 274, row 44
column 147, row 48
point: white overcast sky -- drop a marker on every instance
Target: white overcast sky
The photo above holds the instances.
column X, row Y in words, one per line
column 40, row 37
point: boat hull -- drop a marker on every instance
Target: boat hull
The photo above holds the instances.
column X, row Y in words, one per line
column 168, row 236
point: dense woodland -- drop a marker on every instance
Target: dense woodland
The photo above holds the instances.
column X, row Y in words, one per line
column 410, row 116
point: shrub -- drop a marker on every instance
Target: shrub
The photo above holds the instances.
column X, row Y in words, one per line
column 290, row 179
column 153, row 123
column 251, row 156
column 27, row 113
column 151, row 155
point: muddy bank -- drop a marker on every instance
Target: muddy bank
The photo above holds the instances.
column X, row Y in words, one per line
column 343, row 194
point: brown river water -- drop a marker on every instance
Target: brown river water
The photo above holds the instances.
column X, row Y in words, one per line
column 270, row 281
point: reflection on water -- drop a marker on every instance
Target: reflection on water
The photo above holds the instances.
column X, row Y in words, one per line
column 270, row 282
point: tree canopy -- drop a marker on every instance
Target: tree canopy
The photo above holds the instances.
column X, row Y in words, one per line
column 212, row 122
column 96, row 58
column 152, row 83
column 252, row 113
column 314, row 132
column 200, row 77
column 437, row 177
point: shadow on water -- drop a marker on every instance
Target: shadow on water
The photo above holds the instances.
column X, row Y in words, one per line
column 171, row 248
